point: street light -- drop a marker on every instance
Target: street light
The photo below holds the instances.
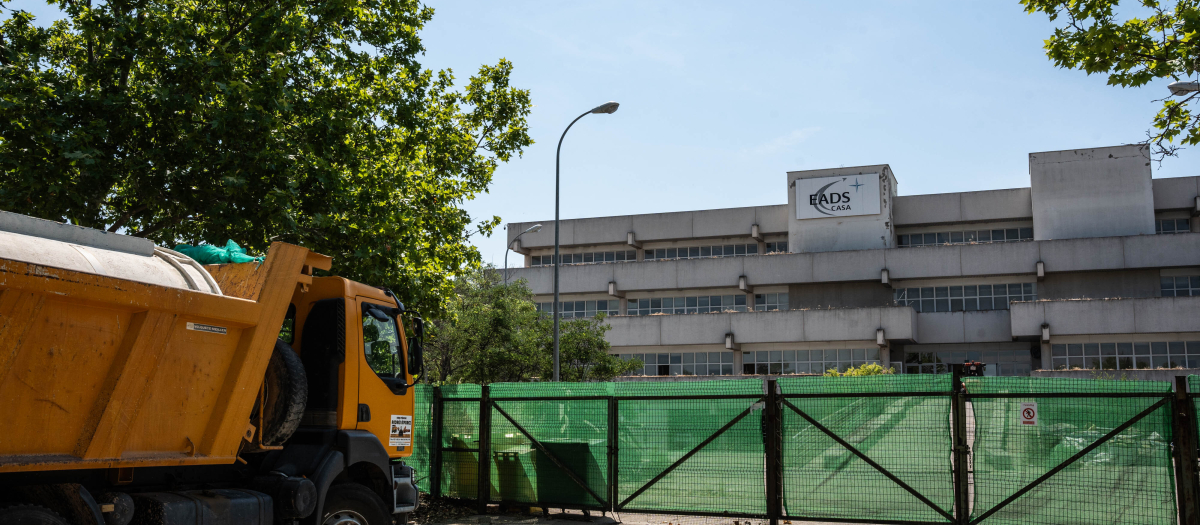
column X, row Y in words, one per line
column 606, row 108
column 534, row 228
column 1183, row 87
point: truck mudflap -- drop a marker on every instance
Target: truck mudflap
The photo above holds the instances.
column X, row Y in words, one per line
column 404, row 491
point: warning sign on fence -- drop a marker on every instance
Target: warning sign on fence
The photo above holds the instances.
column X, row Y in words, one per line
column 1029, row 414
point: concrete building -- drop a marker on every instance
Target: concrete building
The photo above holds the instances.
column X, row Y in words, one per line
column 1095, row 265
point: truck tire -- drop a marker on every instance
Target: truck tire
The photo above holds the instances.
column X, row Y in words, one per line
column 286, row 394
column 354, row 504
column 30, row 515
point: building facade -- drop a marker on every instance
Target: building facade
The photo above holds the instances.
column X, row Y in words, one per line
column 1095, row 265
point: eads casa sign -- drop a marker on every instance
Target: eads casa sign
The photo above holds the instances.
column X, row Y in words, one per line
column 840, row 196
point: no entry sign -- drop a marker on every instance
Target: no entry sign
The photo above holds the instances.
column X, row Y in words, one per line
column 1029, row 414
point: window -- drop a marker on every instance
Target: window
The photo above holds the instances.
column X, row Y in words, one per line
column 965, row 298
column 696, row 252
column 569, row 309
column 586, row 258
column 683, row 363
column 381, row 340
column 997, row 362
column 1172, row 226
column 687, row 305
column 806, row 361
column 1126, row 356
column 777, row 247
column 1180, row 286
column 768, row 302
column 911, row 240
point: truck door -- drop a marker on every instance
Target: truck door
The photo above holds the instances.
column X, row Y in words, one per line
column 384, row 395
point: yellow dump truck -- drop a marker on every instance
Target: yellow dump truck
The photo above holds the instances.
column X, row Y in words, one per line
column 139, row 387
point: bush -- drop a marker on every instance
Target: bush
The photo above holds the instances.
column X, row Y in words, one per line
column 869, row 369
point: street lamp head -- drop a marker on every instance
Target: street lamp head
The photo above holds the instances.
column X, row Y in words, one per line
column 607, row 107
column 534, row 229
column 1183, row 87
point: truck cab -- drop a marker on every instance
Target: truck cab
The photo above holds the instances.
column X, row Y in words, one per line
column 360, row 370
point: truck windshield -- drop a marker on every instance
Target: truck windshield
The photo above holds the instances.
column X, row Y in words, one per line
column 381, row 341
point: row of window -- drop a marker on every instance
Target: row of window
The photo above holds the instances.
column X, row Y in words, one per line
column 586, row 258
column 695, row 252
column 1180, row 286
column 687, row 305
column 806, row 361
column 1172, row 226
column 1126, row 356
column 964, row 237
column 965, row 298
column 582, row 308
column 683, row 364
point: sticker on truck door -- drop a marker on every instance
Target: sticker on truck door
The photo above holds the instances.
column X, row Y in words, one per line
column 207, row 328
column 401, row 434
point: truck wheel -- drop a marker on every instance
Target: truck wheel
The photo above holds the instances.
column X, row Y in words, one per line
column 354, row 504
column 286, row 395
column 30, row 515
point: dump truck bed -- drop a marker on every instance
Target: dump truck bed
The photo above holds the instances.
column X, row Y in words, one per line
column 101, row 372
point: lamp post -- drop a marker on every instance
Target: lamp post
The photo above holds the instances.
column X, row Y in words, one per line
column 605, row 108
column 534, row 228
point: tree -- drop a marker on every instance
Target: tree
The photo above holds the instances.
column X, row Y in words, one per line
column 494, row 333
column 310, row 122
column 1133, row 51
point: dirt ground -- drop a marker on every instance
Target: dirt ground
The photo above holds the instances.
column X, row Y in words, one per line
column 449, row 512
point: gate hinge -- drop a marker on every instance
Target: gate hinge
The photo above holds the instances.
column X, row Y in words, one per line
column 965, row 449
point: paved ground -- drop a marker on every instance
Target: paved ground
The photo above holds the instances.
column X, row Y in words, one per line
column 575, row 517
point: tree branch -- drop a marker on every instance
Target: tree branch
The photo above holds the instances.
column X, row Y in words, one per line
column 228, row 38
column 125, row 218
column 162, row 224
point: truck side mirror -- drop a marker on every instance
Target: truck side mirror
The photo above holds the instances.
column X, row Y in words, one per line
column 416, row 350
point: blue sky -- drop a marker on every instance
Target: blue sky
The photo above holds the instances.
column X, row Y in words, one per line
column 720, row 99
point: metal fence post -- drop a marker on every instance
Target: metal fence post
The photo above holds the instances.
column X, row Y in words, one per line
column 958, row 407
column 484, row 491
column 774, row 449
column 1183, row 422
column 613, row 453
column 435, row 445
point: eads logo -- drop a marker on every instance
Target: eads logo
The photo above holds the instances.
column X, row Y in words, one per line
column 827, row 201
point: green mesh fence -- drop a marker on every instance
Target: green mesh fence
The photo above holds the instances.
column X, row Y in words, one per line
column 727, row 475
column 422, row 452
column 908, row 435
column 1127, row 479
column 572, row 428
column 460, row 441
column 901, row 422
